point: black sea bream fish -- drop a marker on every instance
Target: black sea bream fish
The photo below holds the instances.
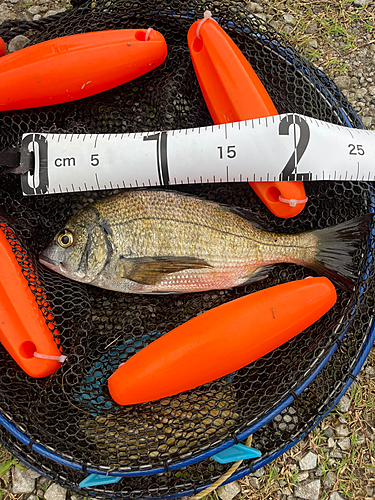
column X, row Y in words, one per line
column 149, row 241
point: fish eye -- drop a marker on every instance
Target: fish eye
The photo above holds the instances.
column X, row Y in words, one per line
column 65, row 239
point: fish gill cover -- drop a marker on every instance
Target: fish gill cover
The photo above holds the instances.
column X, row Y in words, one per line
column 71, row 411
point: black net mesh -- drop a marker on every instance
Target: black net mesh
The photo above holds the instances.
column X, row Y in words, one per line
column 71, row 411
column 286, row 428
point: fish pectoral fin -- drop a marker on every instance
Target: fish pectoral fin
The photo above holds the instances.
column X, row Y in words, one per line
column 259, row 274
column 152, row 270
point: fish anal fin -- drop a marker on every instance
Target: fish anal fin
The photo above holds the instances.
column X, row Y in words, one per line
column 152, row 270
column 259, row 274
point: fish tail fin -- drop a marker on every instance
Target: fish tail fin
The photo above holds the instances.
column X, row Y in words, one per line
column 336, row 248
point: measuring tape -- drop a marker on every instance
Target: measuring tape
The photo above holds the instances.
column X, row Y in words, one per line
column 285, row 147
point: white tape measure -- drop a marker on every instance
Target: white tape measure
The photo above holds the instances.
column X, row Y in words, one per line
column 282, row 147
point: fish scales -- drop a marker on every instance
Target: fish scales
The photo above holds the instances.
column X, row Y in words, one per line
column 166, row 228
column 149, row 241
column 171, row 225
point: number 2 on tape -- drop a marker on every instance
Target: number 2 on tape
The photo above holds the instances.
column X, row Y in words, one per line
column 289, row 172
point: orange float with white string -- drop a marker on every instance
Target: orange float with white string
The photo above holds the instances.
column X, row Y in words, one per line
column 77, row 66
column 23, row 329
column 233, row 92
column 221, row 341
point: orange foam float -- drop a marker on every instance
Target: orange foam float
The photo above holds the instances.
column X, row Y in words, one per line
column 23, row 330
column 3, row 49
column 77, row 66
column 233, row 92
column 221, row 341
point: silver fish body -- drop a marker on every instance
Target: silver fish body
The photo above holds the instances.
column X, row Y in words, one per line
column 148, row 241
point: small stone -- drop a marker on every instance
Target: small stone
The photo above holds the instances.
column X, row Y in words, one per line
column 342, row 420
column 319, row 472
column 361, row 3
column 56, row 492
column 17, row 43
column 335, row 496
column 331, row 443
column 282, row 426
column 330, row 480
column 371, row 90
column 44, row 482
column 359, row 94
column 328, row 432
column 50, row 13
column 302, row 476
column 227, row 492
column 277, row 25
column 287, row 418
column 344, row 404
column 359, row 438
column 254, row 482
column 311, row 28
column 344, row 444
column 335, row 454
column 367, row 120
column 309, row 461
column 13, row 1
column 286, row 491
column 313, row 44
column 342, row 430
column 35, row 9
column 259, row 473
column 254, row 7
column 289, row 19
column 37, row 17
column 23, row 480
column 7, row 13
column 343, row 82
column 32, row 497
column 370, row 371
column 308, row 491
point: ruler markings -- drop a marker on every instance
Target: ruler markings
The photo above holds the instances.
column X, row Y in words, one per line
column 259, row 152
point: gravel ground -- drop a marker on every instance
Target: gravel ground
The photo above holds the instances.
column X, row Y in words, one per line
column 337, row 460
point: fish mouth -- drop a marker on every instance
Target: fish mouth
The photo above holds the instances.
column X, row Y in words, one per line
column 43, row 259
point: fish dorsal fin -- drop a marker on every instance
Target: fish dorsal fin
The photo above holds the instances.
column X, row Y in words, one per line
column 152, row 270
